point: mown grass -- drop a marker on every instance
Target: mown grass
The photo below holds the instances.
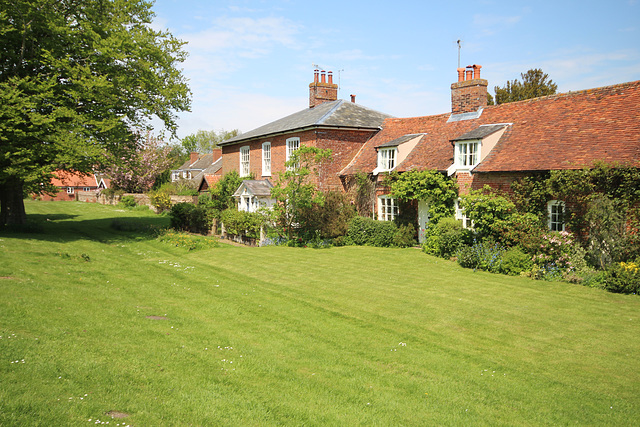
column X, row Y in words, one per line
column 110, row 318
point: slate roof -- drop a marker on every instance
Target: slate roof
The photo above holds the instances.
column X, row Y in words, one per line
column 479, row 133
column 564, row 131
column 338, row 113
column 209, row 171
column 261, row 188
column 204, row 161
column 399, row 141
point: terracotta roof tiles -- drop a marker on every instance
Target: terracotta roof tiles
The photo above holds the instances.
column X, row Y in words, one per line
column 564, row 131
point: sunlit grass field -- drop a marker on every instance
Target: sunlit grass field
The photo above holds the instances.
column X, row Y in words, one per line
column 97, row 322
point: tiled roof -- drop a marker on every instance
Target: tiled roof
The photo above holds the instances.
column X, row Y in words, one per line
column 256, row 187
column 564, row 131
column 338, row 113
column 73, row 179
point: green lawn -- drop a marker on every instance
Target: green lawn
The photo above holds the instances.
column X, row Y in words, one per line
column 94, row 320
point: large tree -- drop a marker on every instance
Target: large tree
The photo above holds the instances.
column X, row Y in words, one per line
column 534, row 83
column 77, row 78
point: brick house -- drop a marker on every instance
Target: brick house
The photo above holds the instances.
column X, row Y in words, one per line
column 329, row 122
column 198, row 165
column 69, row 184
column 495, row 145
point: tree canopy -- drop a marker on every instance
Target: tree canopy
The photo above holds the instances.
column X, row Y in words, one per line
column 534, row 83
column 78, row 80
column 204, row 141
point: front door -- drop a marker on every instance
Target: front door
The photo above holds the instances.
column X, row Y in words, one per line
column 423, row 219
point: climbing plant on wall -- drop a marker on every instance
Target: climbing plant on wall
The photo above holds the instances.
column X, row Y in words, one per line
column 430, row 185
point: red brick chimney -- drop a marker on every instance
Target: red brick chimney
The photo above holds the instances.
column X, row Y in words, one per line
column 193, row 157
column 469, row 93
column 322, row 91
column 217, row 153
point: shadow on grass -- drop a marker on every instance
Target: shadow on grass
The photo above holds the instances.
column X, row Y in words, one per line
column 57, row 228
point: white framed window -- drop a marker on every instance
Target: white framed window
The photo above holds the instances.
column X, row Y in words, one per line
column 175, row 176
column 387, row 208
column 86, row 189
column 70, row 190
column 467, row 154
column 266, row 159
column 556, row 210
column 461, row 216
column 292, row 145
column 387, row 158
column 244, row 161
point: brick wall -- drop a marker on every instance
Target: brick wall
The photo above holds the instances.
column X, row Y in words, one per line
column 468, row 96
column 62, row 195
column 344, row 145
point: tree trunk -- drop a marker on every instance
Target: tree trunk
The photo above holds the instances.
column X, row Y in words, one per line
column 11, row 203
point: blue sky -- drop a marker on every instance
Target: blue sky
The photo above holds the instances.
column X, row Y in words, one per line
column 251, row 61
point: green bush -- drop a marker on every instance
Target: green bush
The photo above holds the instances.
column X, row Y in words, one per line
column 189, row 217
column 623, row 278
column 520, row 229
column 370, row 232
column 445, row 238
column 330, row 219
column 128, row 202
column 515, row 261
column 240, row 223
column 485, row 209
column 404, row 236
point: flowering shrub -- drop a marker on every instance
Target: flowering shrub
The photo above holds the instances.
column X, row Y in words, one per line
column 623, row 278
column 136, row 170
column 481, row 256
column 161, row 200
column 556, row 248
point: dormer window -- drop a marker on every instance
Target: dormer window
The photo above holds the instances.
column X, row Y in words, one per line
column 387, row 159
column 467, row 154
column 472, row 147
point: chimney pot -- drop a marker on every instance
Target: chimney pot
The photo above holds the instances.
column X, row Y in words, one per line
column 323, row 77
column 330, row 76
column 353, row 98
column 315, row 75
column 469, row 93
column 476, row 71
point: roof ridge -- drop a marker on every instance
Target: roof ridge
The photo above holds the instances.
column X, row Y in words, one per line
column 571, row 93
column 330, row 112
